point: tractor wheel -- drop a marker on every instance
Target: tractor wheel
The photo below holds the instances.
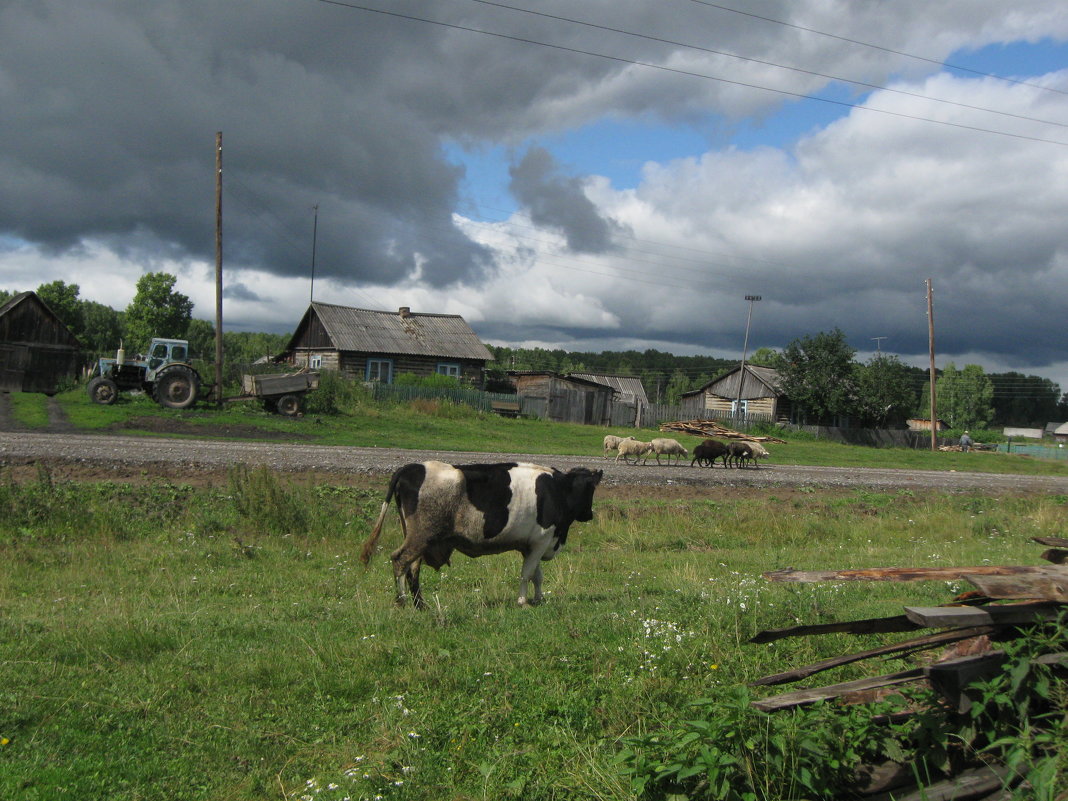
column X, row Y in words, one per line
column 289, row 405
column 103, row 390
column 177, row 388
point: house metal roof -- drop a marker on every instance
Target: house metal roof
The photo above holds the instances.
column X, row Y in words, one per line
column 760, row 382
column 401, row 332
column 624, row 385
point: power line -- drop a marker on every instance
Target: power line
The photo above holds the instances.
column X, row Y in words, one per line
column 688, row 73
column 878, row 47
column 766, row 63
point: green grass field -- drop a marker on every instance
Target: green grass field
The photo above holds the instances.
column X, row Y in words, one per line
column 165, row 641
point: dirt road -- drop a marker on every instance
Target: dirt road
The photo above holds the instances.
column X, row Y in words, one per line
column 117, row 457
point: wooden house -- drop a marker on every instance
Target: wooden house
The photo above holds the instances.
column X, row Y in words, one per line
column 368, row 345
column 753, row 395
column 38, row 353
column 563, row 399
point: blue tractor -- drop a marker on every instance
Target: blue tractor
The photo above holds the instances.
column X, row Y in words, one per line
column 165, row 374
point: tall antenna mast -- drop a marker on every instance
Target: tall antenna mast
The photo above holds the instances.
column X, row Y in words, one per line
column 315, row 237
column 218, row 272
column 930, row 338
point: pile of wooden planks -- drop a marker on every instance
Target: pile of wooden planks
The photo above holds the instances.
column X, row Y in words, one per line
column 1006, row 600
column 710, row 429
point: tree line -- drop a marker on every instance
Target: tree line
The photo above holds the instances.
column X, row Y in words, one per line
column 157, row 310
column 818, row 373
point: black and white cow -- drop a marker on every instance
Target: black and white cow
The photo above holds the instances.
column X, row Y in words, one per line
column 480, row 509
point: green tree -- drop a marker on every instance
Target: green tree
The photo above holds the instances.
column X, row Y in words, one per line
column 678, row 384
column 884, row 391
column 1025, row 400
column 103, row 327
column 201, row 336
column 157, row 310
column 62, row 298
column 765, row 357
column 965, row 397
column 816, row 374
column 5, row 296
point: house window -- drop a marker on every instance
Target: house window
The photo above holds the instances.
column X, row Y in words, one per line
column 380, row 370
column 449, row 369
column 315, row 361
column 739, row 408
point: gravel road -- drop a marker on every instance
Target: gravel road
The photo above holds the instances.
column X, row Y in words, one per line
column 109, row 455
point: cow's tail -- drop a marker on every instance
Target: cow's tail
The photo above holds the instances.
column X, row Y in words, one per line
column 372, row 540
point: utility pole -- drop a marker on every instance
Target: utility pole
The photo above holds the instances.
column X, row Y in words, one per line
column 930, row 339
column 745, row 350
column 218, row 272
column 879, row 344
column 315, row 237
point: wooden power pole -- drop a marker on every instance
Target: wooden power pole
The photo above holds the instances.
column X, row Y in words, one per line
column 218, row 272
column 930, row 339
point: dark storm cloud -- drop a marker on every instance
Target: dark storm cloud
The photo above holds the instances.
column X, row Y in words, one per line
column 110, row 111
column 557, row 201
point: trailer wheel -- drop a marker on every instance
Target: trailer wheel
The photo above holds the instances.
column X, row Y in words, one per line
column 177, row 388
column 103, row 390
column 289, row 405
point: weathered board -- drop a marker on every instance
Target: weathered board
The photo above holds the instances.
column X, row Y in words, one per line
column 948, row 616
column 903, row 573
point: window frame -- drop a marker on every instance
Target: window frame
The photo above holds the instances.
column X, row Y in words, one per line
column 378, row 363
column 452, row 369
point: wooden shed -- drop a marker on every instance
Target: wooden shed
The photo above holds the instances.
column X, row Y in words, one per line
column 757, row 398
column 38, row 353
column 369, row 345
column 629, row 401
column 563, row 399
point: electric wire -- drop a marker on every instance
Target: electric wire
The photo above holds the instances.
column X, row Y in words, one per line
column 934, row 61
column 690, row 73
column 766, row 63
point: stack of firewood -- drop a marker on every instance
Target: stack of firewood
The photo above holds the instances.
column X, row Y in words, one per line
column 710, row 429
column 1007, row 600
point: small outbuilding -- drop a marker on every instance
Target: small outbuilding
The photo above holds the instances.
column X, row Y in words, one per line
column 629, row 401
column 924, row 424
column 38, row 353
column 369, row 345
column 751, row 393
column 1060, row 433
column 563, row 399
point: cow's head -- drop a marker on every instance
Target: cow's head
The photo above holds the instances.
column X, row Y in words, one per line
column 579, row 484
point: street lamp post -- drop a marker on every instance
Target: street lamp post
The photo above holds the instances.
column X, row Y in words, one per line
column 745, row 351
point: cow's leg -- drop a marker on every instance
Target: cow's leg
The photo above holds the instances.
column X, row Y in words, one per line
column 531, row 570
column 406, row 564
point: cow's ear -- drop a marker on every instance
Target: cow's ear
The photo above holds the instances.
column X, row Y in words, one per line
column 597, row 476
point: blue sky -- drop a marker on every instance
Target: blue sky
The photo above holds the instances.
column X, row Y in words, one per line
column 618, row 149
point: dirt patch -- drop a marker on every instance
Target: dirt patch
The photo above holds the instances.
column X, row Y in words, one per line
column 172, row 426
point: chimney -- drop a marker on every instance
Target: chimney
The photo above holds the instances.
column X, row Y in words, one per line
column 405, row 312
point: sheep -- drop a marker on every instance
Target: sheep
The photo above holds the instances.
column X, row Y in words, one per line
column 636, row 448
column 707, row 452
column 669, row 448
column 611, row 443
column 759, row 451
column 739, row 453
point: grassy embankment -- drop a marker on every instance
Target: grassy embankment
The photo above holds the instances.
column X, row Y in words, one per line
column 431, row 425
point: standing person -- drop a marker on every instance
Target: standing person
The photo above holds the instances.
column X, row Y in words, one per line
column 965, row 442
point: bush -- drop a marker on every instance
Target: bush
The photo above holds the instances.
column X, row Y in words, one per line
column 335, row 394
